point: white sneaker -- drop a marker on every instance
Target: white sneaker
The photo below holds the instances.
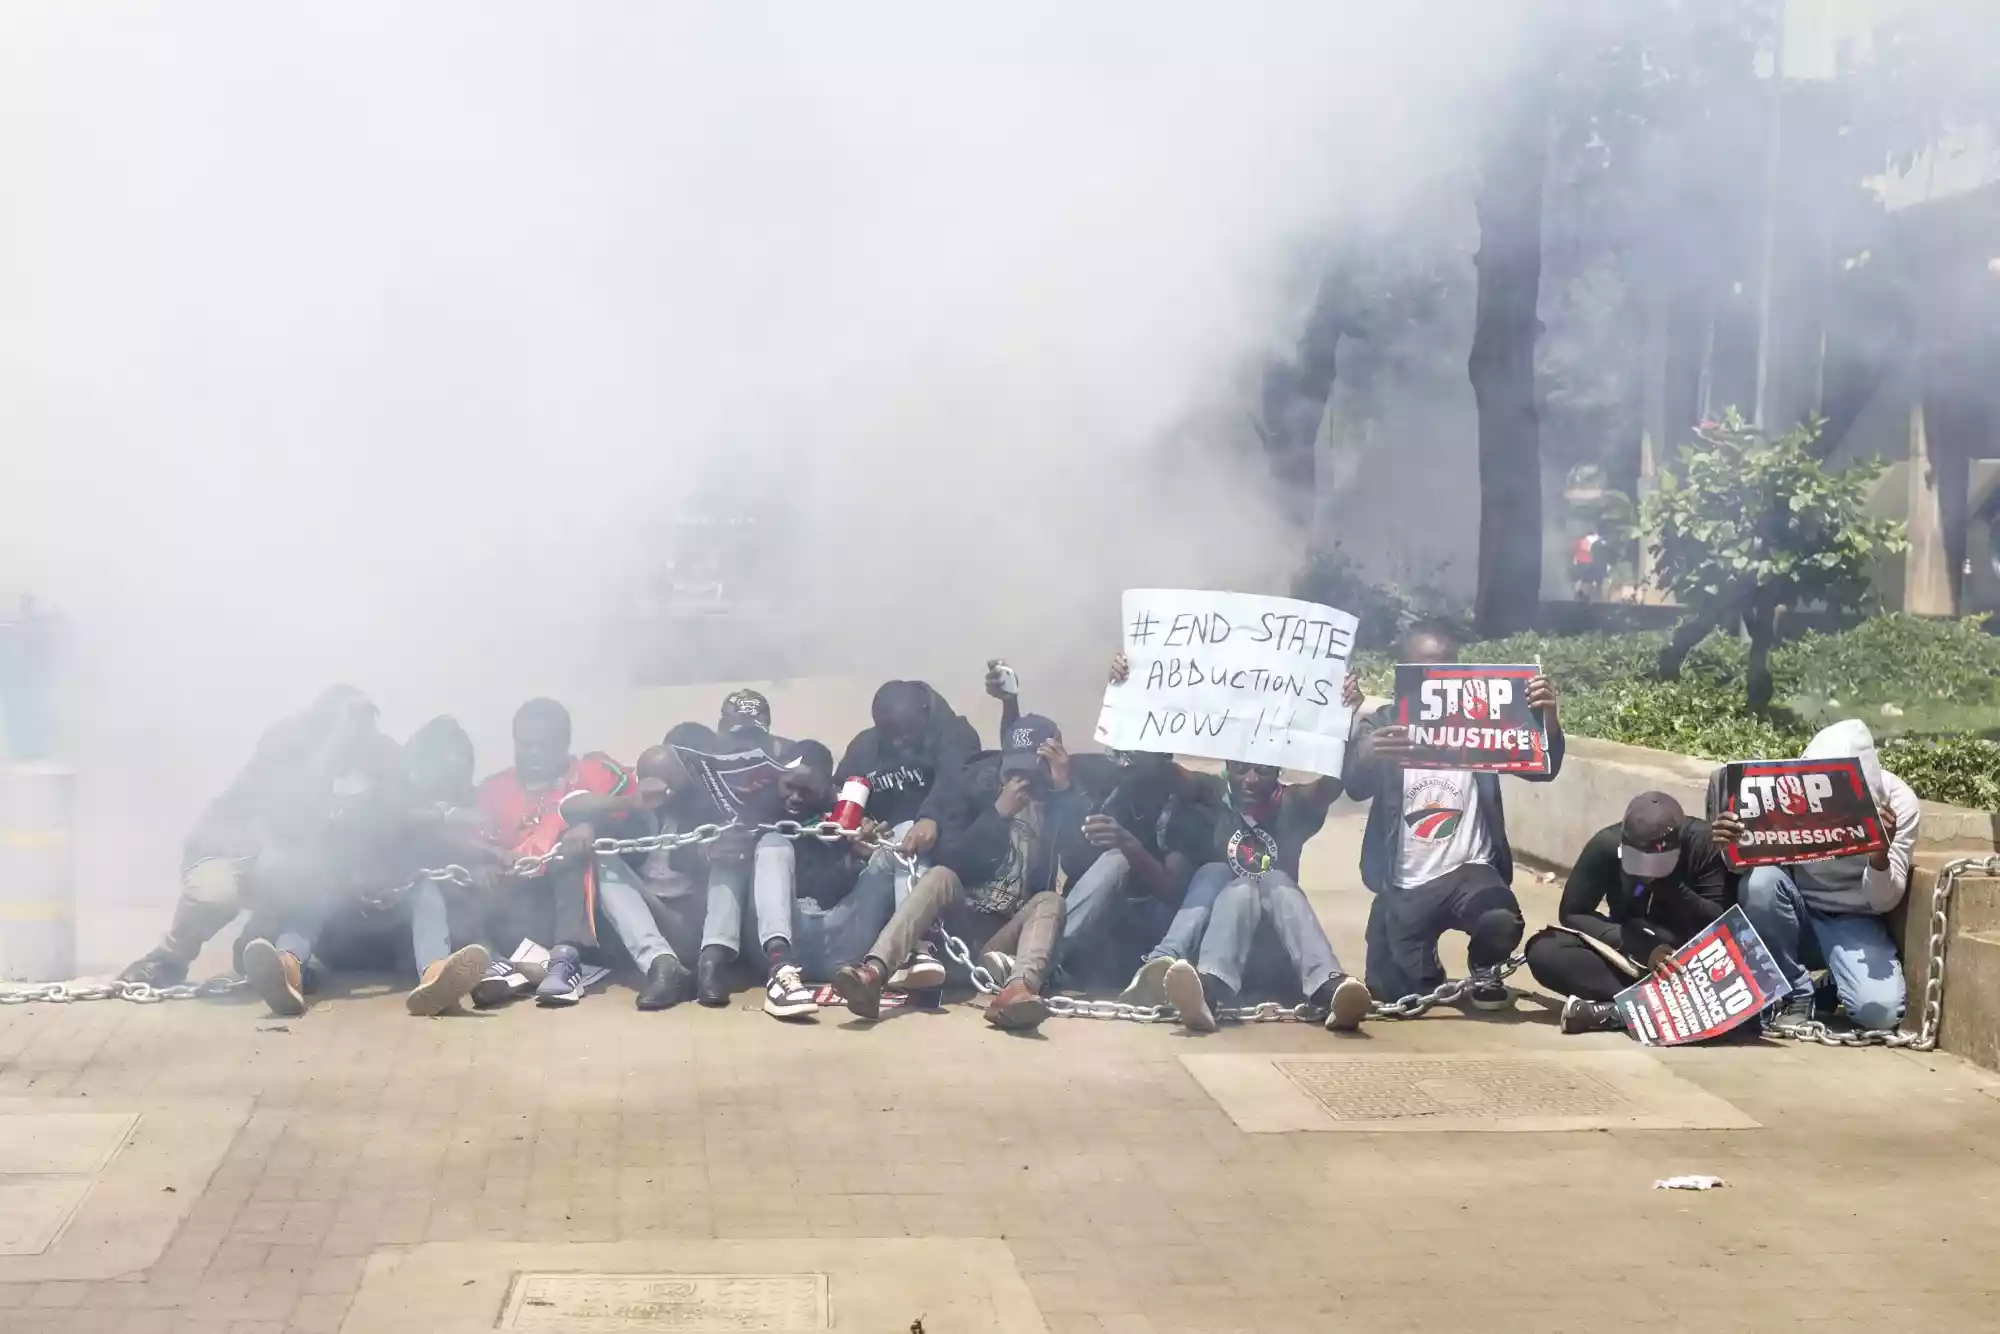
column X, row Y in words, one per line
column 786, row 996
column 1149, row 984
column 999, row 966
column 1349, row 1006
column 921, row 973
column 1184, row 993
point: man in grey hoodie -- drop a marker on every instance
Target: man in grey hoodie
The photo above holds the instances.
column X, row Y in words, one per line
column 1828, row 913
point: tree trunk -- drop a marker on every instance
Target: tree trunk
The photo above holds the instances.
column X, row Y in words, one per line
column 1760, row 620
column 1502, row 371
column 1295, row 396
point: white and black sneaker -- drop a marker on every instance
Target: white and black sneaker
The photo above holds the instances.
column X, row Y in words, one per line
column 922, row 973
column 563, row 985
column 999, row 965
column 501, row 983
column 786, row 996
column 1149, row 984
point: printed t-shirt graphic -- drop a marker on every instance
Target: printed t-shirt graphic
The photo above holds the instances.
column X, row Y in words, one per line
column 1441, row 826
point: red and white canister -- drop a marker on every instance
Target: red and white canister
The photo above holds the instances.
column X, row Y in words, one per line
column 847, row 811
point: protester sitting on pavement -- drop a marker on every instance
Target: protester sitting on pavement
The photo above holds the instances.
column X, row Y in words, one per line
column 266, row 830
column 997, row 877
column 1256, row 829
column 1214, row 950
column 911, row 757
column 524, row 806
column 1829, row 913
column 1435, row 851
column 1639, row 890
column 834, row 895
column 661, row 904
column 1126, row 878
column 380, row 839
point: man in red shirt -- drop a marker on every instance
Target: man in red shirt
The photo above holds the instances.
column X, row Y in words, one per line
column 524, row 805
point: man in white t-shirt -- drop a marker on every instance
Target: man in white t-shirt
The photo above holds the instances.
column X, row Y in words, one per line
column 1435, row 852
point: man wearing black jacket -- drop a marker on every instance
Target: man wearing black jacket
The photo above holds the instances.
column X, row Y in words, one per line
column 1435, row 851
column 910, row 757
column 999, row 852
column 1639, row 890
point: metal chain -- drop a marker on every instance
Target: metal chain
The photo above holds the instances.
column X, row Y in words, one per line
column 1926, row 1036
column 139, row 993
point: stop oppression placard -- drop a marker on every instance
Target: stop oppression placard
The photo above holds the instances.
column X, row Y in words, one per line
column 1471, row 716
column 1232, row 676
column 1799, row 810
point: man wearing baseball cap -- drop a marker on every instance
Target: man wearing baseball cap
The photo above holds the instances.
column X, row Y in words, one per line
column 1640, row 888
column 1003, row 829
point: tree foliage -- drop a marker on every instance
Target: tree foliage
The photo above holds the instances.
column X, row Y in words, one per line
column 1749, row 524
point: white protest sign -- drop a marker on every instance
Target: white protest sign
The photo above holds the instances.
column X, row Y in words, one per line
column 1232, row 676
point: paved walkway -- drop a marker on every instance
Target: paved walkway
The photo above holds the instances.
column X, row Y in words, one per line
column 1086, row 1177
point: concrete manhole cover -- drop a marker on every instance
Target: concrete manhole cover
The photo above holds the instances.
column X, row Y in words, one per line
column 1568, row 1090
column 1499, row 1089
column 33, row 1211
column 689, row 1303
column 62, row 1142
column 794, row 1285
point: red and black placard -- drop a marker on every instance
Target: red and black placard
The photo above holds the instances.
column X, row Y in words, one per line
column 1471, row 716
column 1799, row 811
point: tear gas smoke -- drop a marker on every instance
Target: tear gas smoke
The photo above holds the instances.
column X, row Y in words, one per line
column 379, row 343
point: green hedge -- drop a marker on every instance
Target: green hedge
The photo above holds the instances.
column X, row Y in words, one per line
column 1942, row 679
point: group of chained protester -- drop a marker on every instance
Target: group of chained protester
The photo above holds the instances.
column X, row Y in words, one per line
column 1642, row 888
column 1060, row 870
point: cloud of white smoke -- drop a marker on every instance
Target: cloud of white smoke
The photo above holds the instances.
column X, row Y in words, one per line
column 372, row 341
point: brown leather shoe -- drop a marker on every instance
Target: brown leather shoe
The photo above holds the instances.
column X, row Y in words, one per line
column 861, row 987
column 275, row 975
column 1016, row 1009
column 448, row 981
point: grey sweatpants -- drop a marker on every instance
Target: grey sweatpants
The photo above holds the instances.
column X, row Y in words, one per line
column 1030, row 934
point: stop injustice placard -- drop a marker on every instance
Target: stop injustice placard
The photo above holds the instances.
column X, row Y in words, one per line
column 1799, row 811
column 1471, row 716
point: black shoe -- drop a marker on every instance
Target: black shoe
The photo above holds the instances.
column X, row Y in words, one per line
column 1346, row 1001
column 1589, row 1016
column 1487, row 992
column 711, row 975
column 668, row 983
column 861, row 987
column 157, row 969
column 1796, row 1011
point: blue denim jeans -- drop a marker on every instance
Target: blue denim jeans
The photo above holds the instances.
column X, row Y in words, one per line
column 1855, row 948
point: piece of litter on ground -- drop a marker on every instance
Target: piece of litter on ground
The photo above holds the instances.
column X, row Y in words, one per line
column 1689, row 1183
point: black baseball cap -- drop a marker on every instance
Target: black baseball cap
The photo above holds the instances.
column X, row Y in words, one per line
column 1020, row 746
column 746, row 708
column 1649, row 840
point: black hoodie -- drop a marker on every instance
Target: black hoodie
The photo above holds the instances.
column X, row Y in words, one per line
column 912, row 783
column 977, row 842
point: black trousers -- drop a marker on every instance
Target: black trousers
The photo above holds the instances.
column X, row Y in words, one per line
column 1404, row 926
column 1565, row 965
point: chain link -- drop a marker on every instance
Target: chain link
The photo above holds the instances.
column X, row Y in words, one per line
column 1926, row 1036
column 139, row 993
